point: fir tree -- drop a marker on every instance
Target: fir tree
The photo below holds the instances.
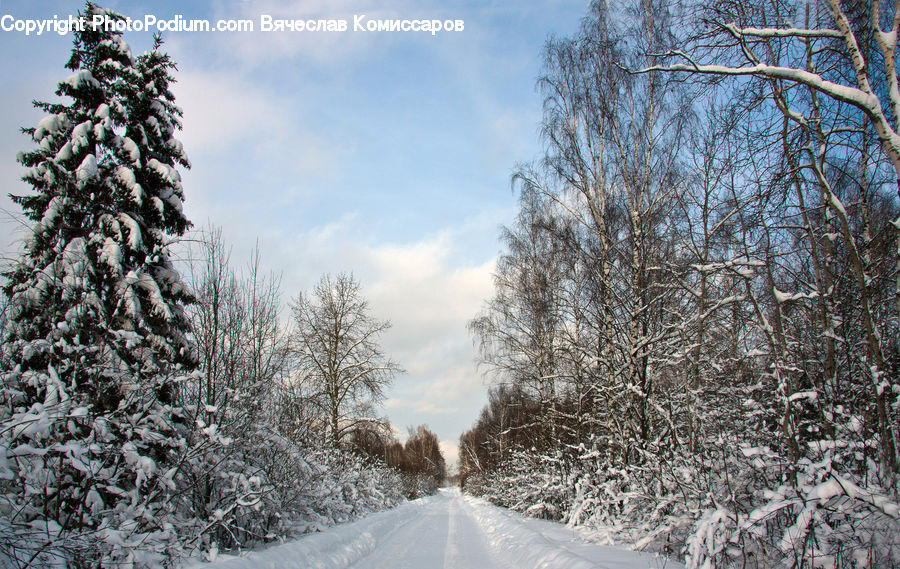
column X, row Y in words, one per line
column 96, row 338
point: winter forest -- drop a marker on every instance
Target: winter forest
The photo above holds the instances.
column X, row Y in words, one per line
column 692, row 348
column 695, row 328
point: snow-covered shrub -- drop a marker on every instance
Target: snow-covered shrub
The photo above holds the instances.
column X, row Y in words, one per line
column 818, row 515
column 274, row 488
column 534, row 484
column 258, row 472
column 418, row 485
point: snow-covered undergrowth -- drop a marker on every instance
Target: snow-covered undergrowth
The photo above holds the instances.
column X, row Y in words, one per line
column 708, row 512
column 333, row 548
column 283, row 490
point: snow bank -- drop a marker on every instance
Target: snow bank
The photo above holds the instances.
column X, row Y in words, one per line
column 526, row 543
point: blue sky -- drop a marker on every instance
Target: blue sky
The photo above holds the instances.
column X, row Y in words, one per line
column 384, row 154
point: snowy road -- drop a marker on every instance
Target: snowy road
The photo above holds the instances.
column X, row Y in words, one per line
column 449, row 530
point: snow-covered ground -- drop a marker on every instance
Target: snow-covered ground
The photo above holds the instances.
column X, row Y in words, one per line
column 449, row 530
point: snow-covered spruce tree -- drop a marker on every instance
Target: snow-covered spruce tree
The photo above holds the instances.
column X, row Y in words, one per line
column 96, row 336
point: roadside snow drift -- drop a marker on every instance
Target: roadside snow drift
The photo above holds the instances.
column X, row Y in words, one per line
column 447, row 530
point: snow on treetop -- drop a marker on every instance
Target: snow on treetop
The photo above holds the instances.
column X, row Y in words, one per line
column 64, row 153
column 80, row 136
column 118, row 44
column 80, row 78
column 175, row 202
column 169, row 174
column 87, row 171
column 134, row 231
column 132, row 149
column 47, row 125
column 111, row 255
column 178, row 148
column 52, row 211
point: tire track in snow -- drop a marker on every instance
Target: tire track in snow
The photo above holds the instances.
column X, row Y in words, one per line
column 396, row 545
column 451, row 550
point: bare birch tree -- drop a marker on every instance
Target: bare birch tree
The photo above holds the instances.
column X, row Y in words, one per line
column 338, row 350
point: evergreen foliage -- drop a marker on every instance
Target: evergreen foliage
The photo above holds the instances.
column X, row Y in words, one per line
column 97, row 337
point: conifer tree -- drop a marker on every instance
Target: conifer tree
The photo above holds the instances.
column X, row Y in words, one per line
column 96, row 338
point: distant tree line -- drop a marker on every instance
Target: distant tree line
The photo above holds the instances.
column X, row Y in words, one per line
column 419, row 460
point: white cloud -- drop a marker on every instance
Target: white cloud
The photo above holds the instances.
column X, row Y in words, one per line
column 450, row 450
column 419, row 285
column 226, row 111
column 253, row 159
column 428, row 289
column 324, row 48
column 429, row 301
column 222, row 108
